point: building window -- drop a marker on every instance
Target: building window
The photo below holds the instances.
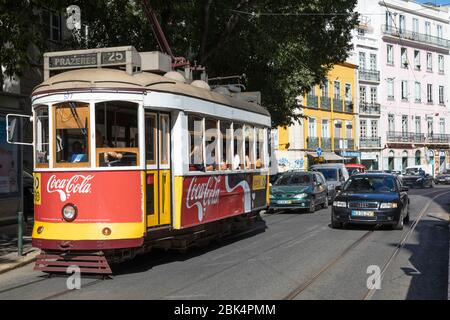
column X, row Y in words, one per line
column 439, row 31
column 441, row 64
column 428, row 28
column 441, row 95
column 362, row 94
column 324, row 88
column 337, row 90
column 391, row 123
column 348, row 92
column 349, row 130
column 390, row 54
column 390, row 89
column 325, row 129
column 429, row 61
column 442, row 125
column 374, row 128
column 415, row 26
column 418, row 128
column 389, row 21
column 430, row 126
column 402, row 24
column 373, row 62
column 312, row 127
column 404, row 58
column 404, row 124
column 418, row 157
column 405, row 90
column 417, row 92
column 429, row 93
column 417, row 59
column 362, row 60
column 52, row 25
column 363, row 128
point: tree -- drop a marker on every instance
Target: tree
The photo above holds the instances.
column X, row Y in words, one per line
column 283, row 47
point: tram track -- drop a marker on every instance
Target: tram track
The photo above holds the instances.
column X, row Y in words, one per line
column 315, row 276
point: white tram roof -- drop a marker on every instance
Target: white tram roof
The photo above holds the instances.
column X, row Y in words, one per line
column 113, row 79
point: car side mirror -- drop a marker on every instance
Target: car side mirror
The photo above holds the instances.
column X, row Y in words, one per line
column 404, row 189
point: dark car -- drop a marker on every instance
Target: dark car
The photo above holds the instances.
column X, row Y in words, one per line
column 378, row 199
column 443, row 178
column 416, row 177
column 299, row 190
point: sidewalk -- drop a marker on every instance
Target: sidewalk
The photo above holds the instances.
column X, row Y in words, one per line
column 9, row 258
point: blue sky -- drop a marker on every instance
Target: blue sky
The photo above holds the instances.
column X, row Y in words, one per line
column 435, row 1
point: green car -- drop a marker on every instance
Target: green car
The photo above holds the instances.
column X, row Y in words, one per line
column 299, row 190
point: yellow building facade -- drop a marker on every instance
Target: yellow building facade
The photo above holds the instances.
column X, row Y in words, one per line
column 329, row 122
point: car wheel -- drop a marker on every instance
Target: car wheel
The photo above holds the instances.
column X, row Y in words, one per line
column 335, row 224
column 312, row 207
column 431, row 184
column 399, row 225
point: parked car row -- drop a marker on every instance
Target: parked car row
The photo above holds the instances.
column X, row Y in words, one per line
column 376, row 198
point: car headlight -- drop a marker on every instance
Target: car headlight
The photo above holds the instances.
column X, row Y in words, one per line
column 420, row 179
column 447, row 178
column 389, row 205
column 301, row 196
column 69, row 212
column 340, row 204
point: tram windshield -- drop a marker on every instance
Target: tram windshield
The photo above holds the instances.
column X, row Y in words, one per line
column 116, row 133
column 72, row 133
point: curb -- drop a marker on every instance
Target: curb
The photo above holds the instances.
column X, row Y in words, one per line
column 27, row 259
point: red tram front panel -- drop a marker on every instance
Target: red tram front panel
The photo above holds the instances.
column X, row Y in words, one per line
column 110, row 200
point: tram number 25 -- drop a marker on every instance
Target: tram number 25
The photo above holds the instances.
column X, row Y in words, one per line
column 113, row 57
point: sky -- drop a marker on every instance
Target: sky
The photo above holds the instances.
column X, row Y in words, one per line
column 438, row 2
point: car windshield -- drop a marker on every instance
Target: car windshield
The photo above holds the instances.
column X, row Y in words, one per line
column 329, row 174
column 370, row 184
column 412, row 172
column 293, row 179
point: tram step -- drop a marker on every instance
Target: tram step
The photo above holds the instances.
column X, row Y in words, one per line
column 52, row 262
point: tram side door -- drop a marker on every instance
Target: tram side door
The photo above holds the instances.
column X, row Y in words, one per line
column 157, row 174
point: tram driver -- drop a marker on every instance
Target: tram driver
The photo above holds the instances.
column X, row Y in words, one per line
column 116, row 156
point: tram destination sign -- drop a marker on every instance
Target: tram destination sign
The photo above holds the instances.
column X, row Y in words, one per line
column 87, row 59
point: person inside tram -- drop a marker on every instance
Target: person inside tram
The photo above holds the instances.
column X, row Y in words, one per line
column 108, row 156
column 78, row 155
column 196, row 156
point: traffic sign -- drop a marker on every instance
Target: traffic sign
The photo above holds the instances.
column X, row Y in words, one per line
column 319, row 151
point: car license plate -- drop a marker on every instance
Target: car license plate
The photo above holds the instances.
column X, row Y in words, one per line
column 356, row 213
column 284, row 202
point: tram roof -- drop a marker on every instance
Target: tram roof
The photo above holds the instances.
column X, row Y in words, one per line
column 104, row 79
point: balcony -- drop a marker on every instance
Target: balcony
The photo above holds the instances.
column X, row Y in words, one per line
column 312, row 143
column 438, row 138
column 367, row 108
column 312, row 101
column 369, row 75
column 326, row 143
column 346, row 144
column 415, row 36
column 370, row 142
column 325, row 103
column 337, row 105
column 405, row 137
column 349, row 106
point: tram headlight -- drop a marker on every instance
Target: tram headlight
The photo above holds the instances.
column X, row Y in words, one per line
column 69, row 212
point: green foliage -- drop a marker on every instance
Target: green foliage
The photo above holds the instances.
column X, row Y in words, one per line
column 282, row 46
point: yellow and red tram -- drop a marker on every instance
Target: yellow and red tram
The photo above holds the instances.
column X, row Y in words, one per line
column 127, row 160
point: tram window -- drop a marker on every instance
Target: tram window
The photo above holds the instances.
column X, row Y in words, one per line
column 211, row 145
column 226, row 136
column 42, row 136
column 195, row 128
column 72, row 133
column 116, row 134
column 150, row 138
column 249, row 147
column 238, row 160
column 259, row 148
column 165, row 134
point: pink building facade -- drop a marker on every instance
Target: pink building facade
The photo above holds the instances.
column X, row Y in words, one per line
column 413, row 89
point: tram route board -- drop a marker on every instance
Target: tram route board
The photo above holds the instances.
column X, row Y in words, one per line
column 87, row 59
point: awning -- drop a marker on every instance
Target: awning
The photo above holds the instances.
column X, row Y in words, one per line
column 328, row 156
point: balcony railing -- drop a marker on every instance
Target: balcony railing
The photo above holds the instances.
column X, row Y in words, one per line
column 325, row 103
column 415, row 36
column 337, row 105
column 312, row 143
column 438, row 138
column 405, row 137
column 369, row 108
column 326, row 143
column 349, row 106
column 347, row 144
column 369, row 75
column 313, row 101
column 370, row 142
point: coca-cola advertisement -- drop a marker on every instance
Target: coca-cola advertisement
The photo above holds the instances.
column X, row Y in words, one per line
column 210, row 198
column 98, row 196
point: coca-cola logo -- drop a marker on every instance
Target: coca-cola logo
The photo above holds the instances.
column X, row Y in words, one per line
column 203, row 194
column 65, row 187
